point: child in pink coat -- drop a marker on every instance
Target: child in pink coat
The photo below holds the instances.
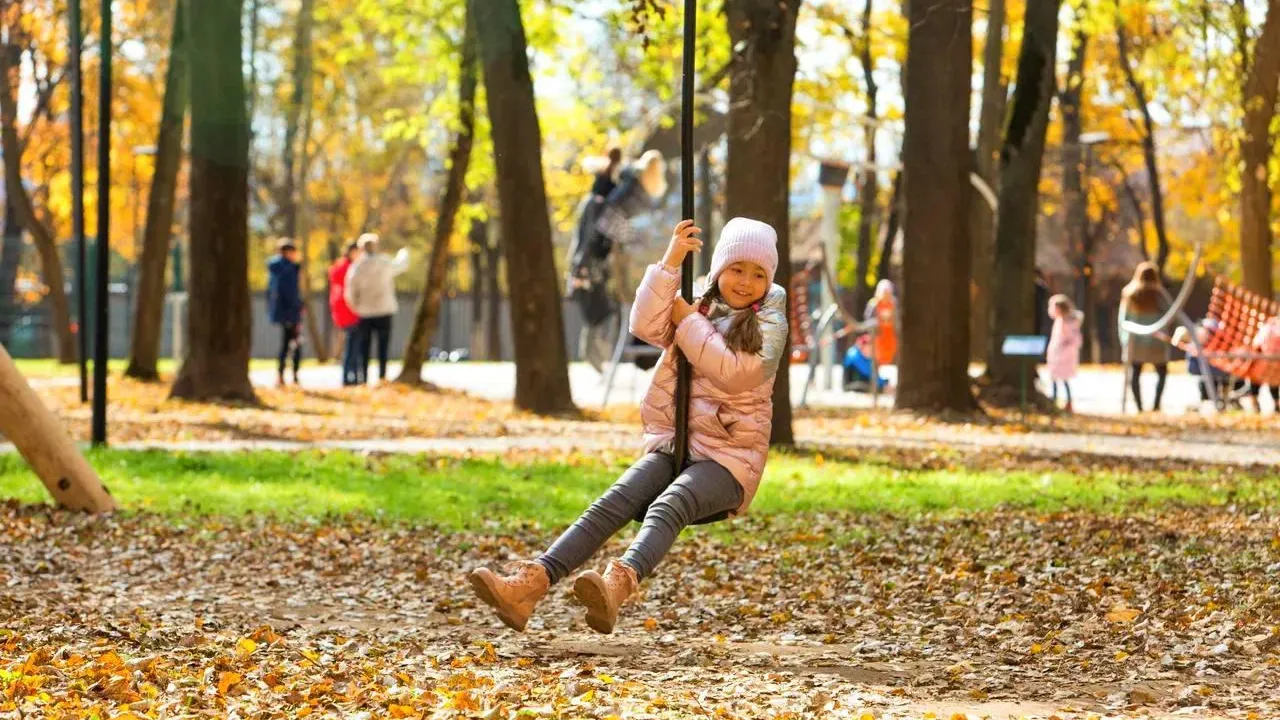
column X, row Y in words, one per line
column 733, row 337
column 1064, row 345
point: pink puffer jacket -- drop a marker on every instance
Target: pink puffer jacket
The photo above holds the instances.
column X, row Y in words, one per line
column 731, row 403
column 1063, row 354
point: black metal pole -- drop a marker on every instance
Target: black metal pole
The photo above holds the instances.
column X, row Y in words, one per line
column 77, row 194
column 684, row 374
column 708, row 209
column 103, row 254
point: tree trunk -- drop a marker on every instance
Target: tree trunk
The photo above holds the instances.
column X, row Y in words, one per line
column 311, row 320
column 934, row 368
column 475, row 235
column 892, row 224
column 427, row 316
column 537, row 323
column 983, row 223
column 293, row 201
column 758, row 167
column 1260, row 90
column 493, row 291
column 10, row 257
column 46, row 244
column 46, row 446
column 219, row 322
column 144, row 346
column 1073, row 166
column 1013, row 308
column 869, row 189
column 1148, row 146
column 293, row 116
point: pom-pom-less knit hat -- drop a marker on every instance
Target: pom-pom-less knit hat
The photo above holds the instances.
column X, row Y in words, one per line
column 747, row 240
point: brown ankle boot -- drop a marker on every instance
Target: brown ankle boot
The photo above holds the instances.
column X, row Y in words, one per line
column 513, row 596
column 603, row 595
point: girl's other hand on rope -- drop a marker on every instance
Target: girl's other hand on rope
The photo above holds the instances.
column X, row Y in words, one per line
column 684, row 240
column 681, row 310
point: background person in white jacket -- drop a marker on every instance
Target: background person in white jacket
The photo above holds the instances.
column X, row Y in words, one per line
column 371, row 294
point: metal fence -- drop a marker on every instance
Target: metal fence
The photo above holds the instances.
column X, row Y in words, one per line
column 31, row 334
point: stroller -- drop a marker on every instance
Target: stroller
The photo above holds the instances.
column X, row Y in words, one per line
column 858, row 367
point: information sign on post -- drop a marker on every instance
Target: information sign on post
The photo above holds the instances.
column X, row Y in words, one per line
column 1029, row 348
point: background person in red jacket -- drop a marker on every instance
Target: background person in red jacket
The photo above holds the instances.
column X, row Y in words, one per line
column 344, row 317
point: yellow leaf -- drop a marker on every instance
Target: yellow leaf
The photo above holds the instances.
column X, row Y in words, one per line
column 246, row 647
column 1121, row 656
column 867, row 716
column 959, row 716
column 1123, row 615
column 606, row 679
column 228, row 680
column 650, row 624
column 400, row 711
column 110, row 660
column 1036, row 649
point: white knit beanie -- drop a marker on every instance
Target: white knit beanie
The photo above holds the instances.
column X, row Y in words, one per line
column 746, row 240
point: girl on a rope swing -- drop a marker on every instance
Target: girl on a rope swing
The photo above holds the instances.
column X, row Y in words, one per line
column 733, row 337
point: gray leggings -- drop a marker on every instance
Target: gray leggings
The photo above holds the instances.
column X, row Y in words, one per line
column 703, row 490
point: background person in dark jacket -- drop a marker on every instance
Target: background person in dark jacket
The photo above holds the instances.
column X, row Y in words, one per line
column 284, row 304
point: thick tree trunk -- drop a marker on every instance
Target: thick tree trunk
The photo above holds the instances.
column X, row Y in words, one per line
column 1013, row 308
column 219, row 321
column 1149, row 156
column 46, row 244
column 1256, row 149
column 983, row 218
column 934, row 367
column 869, row 188
column 427, row 316
column 758, row 168
column 1073, row 167
column 537, row 324
column 10, row 257
column 144, row 346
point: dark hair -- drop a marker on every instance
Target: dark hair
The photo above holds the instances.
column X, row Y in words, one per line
column 352, row 248
column 1143, row 292
column 744, row 334
column 286, row 245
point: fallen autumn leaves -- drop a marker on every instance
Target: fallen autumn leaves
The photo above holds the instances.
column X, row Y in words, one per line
column 1065, row 614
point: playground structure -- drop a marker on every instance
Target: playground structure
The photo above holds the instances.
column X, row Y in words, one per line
column 46, row 446
column 1239, row 316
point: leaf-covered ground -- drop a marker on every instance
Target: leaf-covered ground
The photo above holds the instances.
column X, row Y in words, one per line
column 997, row 614
column 1122, row 584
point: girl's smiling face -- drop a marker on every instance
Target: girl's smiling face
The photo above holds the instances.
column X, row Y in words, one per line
column 742, row 284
